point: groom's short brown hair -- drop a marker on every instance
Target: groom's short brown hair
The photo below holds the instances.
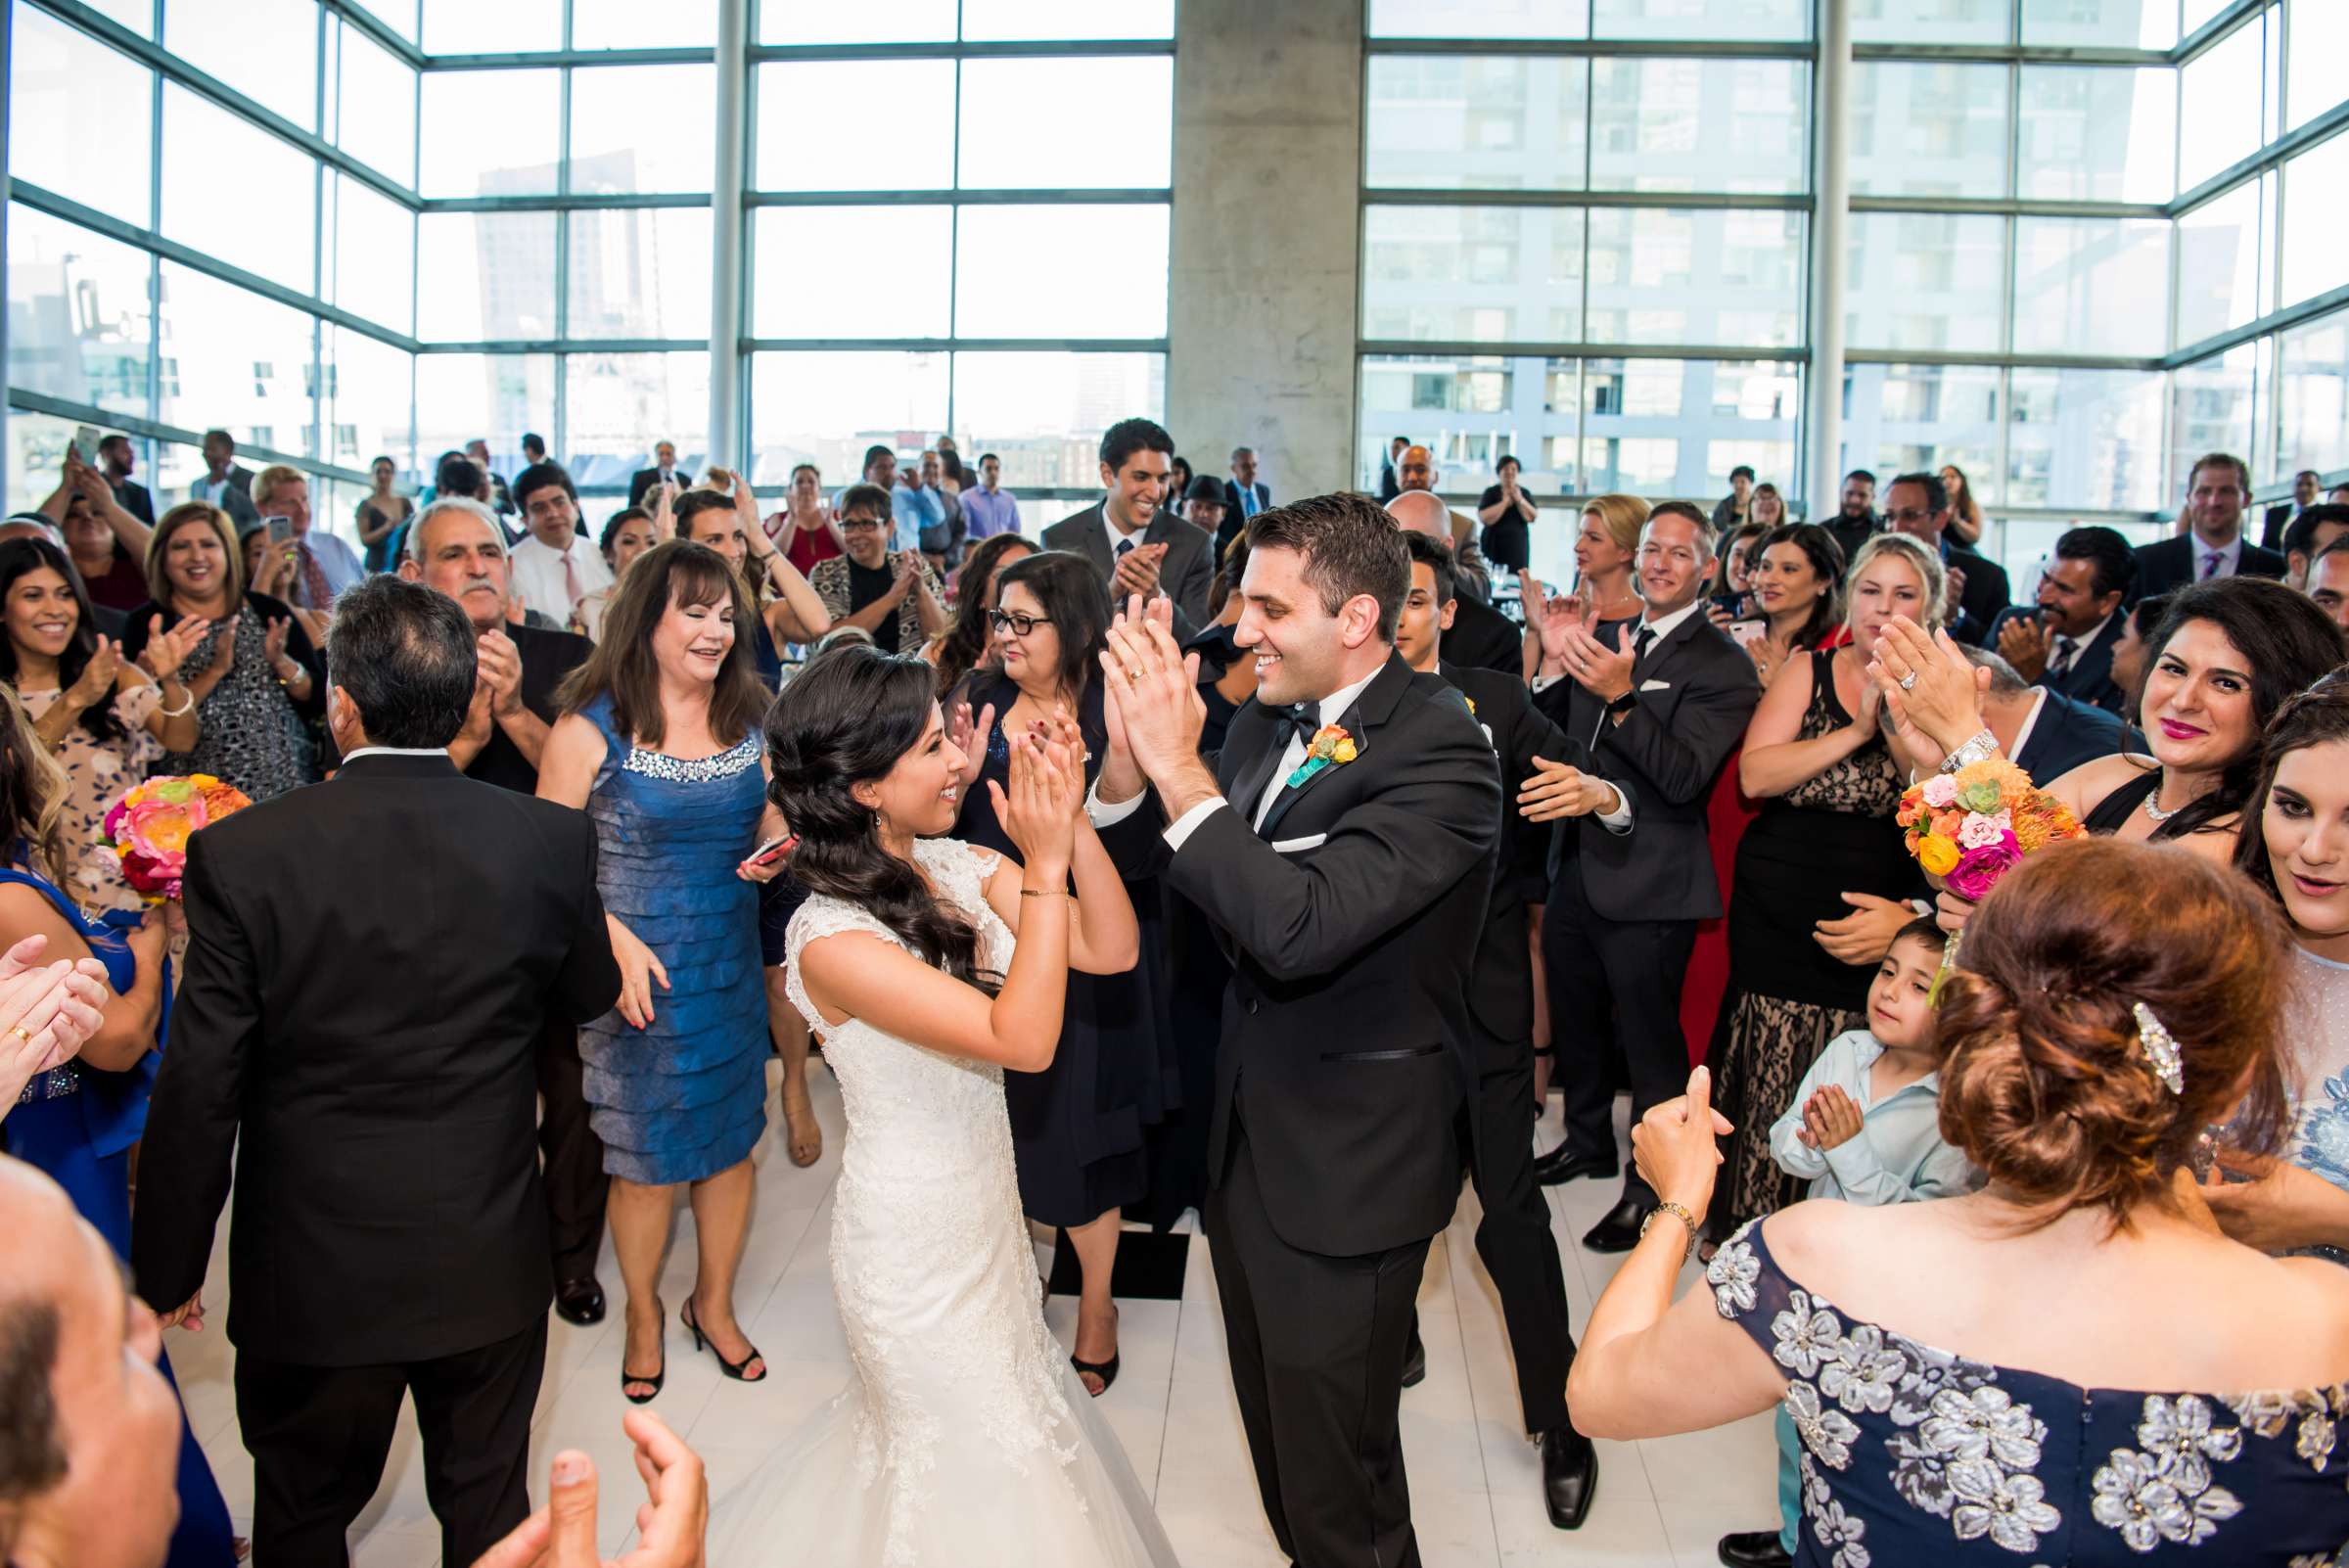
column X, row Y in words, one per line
column 1351, row 546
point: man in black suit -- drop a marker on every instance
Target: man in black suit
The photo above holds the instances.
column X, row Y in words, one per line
column 1513, row 1238
column 118, row 462
column 1476, row 635
column 1919, row 505
column 1662, row 716
column 456, row 548
column 663, row 471
column 2305, row 486
column 367, row 1036
column 1857, row 522
column 1347, row 880
column 2065, row 642
column 1390, row 484
column 2047, row 732
column 1137, row 546
column 226, row 483
column 2217, row 490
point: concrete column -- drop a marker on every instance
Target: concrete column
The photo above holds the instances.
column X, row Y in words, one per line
column 1829, row 241
column 725, row 232
column 1266, row 238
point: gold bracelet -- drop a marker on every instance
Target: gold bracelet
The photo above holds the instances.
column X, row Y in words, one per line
column 1677, row 1212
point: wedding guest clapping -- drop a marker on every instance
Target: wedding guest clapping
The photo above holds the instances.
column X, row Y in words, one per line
column 670, row 1526
column 46, row 1012
column 2066, row 1365
column 970, row 641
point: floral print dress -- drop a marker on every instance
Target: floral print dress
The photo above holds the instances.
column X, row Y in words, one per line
column 100, row 772
column 1911, row 1456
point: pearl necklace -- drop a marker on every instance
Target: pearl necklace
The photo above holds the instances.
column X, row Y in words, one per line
column 2155, row 812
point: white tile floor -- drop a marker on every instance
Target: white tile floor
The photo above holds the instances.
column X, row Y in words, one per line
column 1474, row 1480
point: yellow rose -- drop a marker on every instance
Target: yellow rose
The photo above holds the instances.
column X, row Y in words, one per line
column 1344, row 752
column 1937, row 855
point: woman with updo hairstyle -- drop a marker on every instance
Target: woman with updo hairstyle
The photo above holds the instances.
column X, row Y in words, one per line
column 2071, row 1364
column 963, row 646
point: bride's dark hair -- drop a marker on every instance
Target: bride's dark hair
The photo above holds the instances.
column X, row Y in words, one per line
column 847, row 717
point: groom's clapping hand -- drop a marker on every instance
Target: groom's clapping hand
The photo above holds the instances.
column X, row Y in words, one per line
column 1154, row 688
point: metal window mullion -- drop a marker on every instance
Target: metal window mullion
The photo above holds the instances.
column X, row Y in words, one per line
column 34, row 402
column 318, row 279
column 154, row 225
column 954, row 232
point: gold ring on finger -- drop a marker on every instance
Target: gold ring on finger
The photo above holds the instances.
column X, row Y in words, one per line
column 21, row 1034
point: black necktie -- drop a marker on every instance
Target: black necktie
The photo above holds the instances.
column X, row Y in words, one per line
column 1645, row 640
column 2062, row 664
column 1302, row 720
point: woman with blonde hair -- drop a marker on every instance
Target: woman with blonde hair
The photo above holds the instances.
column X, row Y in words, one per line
column 1816, row 757
column 1606, row 547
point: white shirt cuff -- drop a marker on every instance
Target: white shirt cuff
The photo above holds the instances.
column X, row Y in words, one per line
column 1106, row 814
column 1618, row 820
column 1545, row 682
column 1184, row 825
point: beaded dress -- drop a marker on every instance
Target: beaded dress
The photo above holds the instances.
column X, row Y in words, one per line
column 2317, row 1069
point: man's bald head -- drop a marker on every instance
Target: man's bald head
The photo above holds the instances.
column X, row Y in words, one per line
column 1415, row 469
column 1423, row 512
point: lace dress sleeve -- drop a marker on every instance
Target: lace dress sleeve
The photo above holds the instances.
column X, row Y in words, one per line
column 820, row 917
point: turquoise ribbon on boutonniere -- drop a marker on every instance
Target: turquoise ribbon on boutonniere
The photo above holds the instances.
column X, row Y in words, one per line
column 1331, row 746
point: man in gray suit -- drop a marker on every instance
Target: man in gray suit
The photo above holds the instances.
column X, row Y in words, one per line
column 1139, row 547
column 226, row 482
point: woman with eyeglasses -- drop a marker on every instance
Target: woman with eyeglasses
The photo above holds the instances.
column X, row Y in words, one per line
column 1077, row 1128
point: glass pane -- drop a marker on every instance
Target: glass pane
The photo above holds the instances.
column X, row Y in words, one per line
column 1925, row 281
column 2089, row 286
column 234, row 359
column 2118, row 24
column 1476, row 122
column 1464, row 410
column 826, row 408
column 640, row 273
column 1680, row 124
column 266, row 49
column 884, row 126
column 2219, row 268
column 853, row 271
column 2311, row 74
column 2210, row 411
column 2312, row 395
column 1928, row 129
column 1067, row 19
column 526, row 106
column 1700, row 18
column 78, row 325
column 1053, row 272
column 375, row 104
column 2097, row 134
column 632, row 25
column 1660, row 275
column 397, row 15
column 873, row 22
column 468, row 27
column 1906, row 419
column 1931, row 21
column 642, row 129
column 1484, row 274
column 614, row 406
column 36, row 456
column 2219, row 120
column 1106, row 123
column 56, row 73
column 1043, row 413
column 367, row 401
column 203, row 149
column 1659, row 424
column 491, row 397
column 1480, row 19
column 2087, row 438
column 2316, row 231
column 136, row 14
column 371, row 255
column 484, row 276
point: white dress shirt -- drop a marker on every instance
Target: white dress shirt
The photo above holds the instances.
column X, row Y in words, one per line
column 2229, row 554
column 394, row 750
column 543, row 584
column 1116, row 535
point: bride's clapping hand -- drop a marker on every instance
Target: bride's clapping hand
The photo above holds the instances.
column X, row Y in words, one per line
column 1676, row 1145
column 1046, row 796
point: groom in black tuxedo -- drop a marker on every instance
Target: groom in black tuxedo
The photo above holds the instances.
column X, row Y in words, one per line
column 1343, row 847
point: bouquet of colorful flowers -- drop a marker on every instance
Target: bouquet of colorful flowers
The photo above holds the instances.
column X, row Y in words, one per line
column 1971, row 828
column 150, row 827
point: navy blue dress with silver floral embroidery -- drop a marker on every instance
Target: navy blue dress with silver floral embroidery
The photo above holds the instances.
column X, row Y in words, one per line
column 1913, row 1456
column 685, row 1098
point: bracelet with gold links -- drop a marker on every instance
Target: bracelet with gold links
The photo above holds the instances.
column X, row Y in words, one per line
column 1677, row 1212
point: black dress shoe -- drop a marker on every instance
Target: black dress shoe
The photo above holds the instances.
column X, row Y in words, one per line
column 1619, row 1231
column 1562, row 1164
column 1414, row 1360
column 1569, row 1476
column 1755, row 1549
column 579, row 1301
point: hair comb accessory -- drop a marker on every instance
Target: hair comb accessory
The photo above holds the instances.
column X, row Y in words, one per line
column 2161, row 1050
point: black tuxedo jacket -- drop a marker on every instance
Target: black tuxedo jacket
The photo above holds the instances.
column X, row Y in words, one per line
column 1986, row 596
column 372, row 963
column 2090, row 679
column 2068, row 733
column 2170, row 564
column 2271, row 532
column 641, row 482
column 1184, row 574
column 1500, row 984
column 1351, row 922
column 132, row 497
column 1484, row 638
column 546, row 658
column 1697, row 690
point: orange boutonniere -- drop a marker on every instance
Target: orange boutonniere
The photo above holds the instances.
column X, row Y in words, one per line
column 1331, row 746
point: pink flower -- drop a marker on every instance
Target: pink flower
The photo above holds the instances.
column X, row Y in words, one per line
column 1980, row 831
column 160, row 829
column 1980, row 868
column 1941, row 791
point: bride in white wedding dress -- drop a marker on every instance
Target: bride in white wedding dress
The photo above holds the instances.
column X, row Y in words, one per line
column 965, row 1438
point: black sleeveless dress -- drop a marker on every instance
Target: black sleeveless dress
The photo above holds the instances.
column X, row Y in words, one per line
column 2115, row 809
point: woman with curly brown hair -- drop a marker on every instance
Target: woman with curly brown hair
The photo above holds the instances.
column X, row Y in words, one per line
column 2071, row 1364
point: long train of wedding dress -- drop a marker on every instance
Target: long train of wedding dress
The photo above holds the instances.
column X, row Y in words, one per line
column 965, row 1438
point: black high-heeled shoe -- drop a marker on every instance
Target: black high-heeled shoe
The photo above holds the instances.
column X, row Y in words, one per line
column 733, row 1369
column 660, row 1314
column 1107, row 1371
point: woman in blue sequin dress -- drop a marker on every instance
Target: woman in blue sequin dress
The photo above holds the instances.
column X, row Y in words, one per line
column 658, row 741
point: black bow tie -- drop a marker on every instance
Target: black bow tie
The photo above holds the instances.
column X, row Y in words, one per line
column 1303, row 720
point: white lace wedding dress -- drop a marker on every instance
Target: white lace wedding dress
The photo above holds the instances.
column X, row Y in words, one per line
column 965, row 1439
